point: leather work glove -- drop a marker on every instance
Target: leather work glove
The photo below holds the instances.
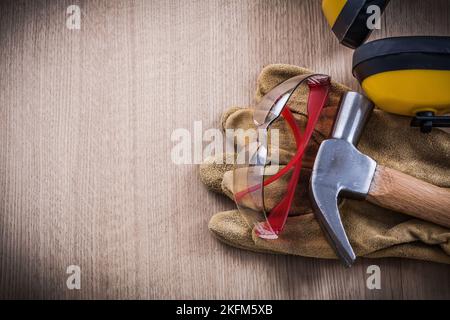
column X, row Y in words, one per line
column 373, row 231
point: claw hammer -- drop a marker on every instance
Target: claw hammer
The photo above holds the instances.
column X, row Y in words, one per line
column 340, row 170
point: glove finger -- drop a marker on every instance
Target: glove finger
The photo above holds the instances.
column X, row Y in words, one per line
column 274, row 192
column 389, row 235
column 232, row 228
column 372, row 231
column 213, row 169
column 372, row 228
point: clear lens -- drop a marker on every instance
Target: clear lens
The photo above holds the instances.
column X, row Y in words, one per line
column 271, row 105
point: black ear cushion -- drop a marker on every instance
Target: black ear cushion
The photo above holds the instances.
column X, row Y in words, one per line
column 351, row 24
column 401, row 53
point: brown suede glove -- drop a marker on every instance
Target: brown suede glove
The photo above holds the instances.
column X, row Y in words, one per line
column 372, row 231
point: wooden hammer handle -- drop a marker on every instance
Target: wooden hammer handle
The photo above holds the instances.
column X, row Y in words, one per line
column 400, row 192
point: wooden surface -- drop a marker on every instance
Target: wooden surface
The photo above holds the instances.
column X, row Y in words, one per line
column 85, row 172
column 400, row 192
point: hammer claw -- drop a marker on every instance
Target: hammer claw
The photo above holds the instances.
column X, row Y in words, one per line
column 327, row 214
column 337, row 238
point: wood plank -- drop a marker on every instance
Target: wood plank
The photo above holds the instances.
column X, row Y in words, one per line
column 85, row 171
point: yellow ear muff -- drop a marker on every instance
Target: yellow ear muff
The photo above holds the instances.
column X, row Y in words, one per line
column 348, row 19
column 331, row 9
column 408, row 92
column 406, row 75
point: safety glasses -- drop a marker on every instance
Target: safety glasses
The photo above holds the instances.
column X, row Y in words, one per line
column 265, row 185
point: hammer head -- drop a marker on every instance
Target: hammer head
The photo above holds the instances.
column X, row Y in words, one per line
column 341, row 170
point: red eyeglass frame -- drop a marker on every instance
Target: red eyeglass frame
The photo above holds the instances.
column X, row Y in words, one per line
column 276, row 218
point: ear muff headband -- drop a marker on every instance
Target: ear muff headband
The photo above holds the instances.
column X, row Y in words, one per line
column 348, row 19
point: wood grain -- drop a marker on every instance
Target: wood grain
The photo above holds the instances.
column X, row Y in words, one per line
column 400, row 192
column 85, row 171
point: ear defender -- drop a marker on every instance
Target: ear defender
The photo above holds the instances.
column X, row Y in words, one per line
column 404, row 75
column 348, row 19
column 407, row 76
